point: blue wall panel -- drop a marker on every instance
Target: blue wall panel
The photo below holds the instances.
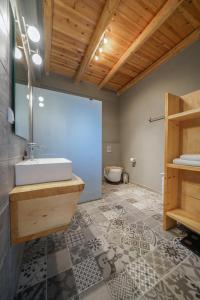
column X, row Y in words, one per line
column 71, row 126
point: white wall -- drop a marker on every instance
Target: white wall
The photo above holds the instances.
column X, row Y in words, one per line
column 71, row 127
column 145, row 140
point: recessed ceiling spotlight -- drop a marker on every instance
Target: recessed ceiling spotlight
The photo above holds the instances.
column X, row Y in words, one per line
column 105, row 40
column 41, row 99
column 18, row 53
column 100, row 49
column 96, row 57
column 37, row 59
column 41, row 104
column 33, row 34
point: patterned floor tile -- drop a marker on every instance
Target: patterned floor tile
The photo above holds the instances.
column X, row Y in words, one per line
column 79, row 253
column 159, row 292
column 87, row 274
column 173, row 251
column 191, row 267
column 58, row 262
column 122, row 287
column 104, row 208
column 131, row 200
column 97, row 292
column 34, row 250
column 74, row 238
column 110, row 215
column 142, row 274
column 98, row 245
column 56, row 242
column 182, row 286
column 159, row 262
column 86, row 219
column 114, row 237
column 106, row 263
column 124, row 257
column 36, row 292
column 140, row 237
column 32, row 273
column 118, row 223
column 120, row 239
column 62, row 286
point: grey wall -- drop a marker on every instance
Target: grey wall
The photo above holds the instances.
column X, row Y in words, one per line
column 145, row 140
column 110, row 110
column 11, row 149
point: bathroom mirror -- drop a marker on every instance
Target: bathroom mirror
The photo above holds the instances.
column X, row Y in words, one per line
column 20, row 87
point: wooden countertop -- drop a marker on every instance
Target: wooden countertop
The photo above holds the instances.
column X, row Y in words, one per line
column 25, row 192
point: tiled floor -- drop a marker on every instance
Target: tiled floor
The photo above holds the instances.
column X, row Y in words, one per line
column 114, row 248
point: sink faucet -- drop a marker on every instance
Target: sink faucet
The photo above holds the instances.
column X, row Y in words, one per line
column 31, row 147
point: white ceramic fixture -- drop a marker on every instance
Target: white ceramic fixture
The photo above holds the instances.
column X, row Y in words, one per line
column 42, row 170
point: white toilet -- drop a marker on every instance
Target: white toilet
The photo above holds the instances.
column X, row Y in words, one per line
column 113, row 174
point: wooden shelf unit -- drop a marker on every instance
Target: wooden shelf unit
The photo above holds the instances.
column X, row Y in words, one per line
column 182, row 182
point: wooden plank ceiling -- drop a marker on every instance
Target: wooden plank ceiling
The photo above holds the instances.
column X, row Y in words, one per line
column 141, row 35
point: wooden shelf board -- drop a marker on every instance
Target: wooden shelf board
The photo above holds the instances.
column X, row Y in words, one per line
column 183, row 167
column 186, row 115
column 185, row 218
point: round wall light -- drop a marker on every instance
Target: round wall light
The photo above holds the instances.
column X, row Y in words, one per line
column 41, row 99
column 105, row 40
column 96, row 57
column 37, row 59
column 18, row 53
column 41, row 104
column 33, row 34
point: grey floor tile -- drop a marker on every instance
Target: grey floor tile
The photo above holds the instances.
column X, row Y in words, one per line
column 121, row 286
column 142, row 274
column 56, row 242
column 87, row 274
column 159, row 292
column 34, row 250
column 62, row 286
column 173, row 251
column 159, row 262
column 32, row 273
column 36, row 292
column 58, row 262
column 79, row 252
column 74, row 238
column 117, row 241
column 98, row 292
column 191, row 267
column 182, row 285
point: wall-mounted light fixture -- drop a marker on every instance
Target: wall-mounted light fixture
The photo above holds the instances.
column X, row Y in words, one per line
column 33, row 34
column 37, row 59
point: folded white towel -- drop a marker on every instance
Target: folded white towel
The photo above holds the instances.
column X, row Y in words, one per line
column 190, row 156
column 179, row 161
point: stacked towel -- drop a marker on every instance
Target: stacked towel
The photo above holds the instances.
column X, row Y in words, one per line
column 190, row 156
column 188, row 160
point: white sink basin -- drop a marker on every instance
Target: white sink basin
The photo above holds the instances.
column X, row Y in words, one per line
column 42, row 170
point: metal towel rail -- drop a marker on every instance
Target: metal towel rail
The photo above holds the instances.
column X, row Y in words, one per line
column 156, row 118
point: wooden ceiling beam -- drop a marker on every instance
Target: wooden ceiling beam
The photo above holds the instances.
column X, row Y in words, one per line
column 164, row 13
column 48, row 25
column 194, row 36
column 105, row 18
